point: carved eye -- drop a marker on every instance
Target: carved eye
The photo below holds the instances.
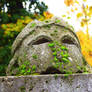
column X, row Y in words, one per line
column 41, row 40
column 68, row 40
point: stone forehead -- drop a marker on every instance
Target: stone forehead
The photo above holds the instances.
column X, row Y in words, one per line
column 28, row 29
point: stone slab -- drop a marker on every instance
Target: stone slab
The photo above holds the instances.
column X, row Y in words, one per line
column 47, row 83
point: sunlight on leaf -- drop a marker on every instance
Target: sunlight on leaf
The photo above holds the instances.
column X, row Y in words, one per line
column 47, row 15
column 63, row 15
column 86, row 6
column 72, row 10
column 68, row 12
column 84, row 0
column 69, row 2
column 84, row 16
column 68, row 17
column 79, row 15
column 90, row 8
column 76, row 8
column 76, row 2
column 86, row 46
column 90, row 11
column 82, row 24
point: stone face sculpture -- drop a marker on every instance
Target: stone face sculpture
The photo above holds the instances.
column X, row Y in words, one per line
column 50, row 46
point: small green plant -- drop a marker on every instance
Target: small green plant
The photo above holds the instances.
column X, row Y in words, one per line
column 66, row 75
column 51, row 45
column 61, row 51
column 65, row 60
column 34, row 56
column 55, row 53
column 34, row 68
column 26, row 69
column 47, row 26
column 63, row 48
column 56, row 76
column 22, row 89
column 57, row 21
column 33, row 25
column 55, row 31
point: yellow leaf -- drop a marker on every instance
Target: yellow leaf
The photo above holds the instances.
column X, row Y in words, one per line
column 41, row 19
column 90, row 11
column 86, row 6
column 84, row 0
column 69, row 2
column 72, row 10
column 89, row 14
column 68, row 17
column 90, row 8
column 68, row 12
column 4, row 26
column 82, row 24
column 79, row 15
column 76, row 2
column 89, row 23
column 63, row 15
column 76, row 8
column 47, row 15
column 85, row 20
column 86, row 45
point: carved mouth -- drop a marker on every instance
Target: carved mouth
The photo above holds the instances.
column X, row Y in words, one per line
column 51, row 70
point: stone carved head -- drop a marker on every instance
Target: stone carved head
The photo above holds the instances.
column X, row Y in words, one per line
column 33, row 45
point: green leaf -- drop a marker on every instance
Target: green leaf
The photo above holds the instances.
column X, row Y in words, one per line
column 63, row 48
column 29, row 71
column 56, row 75
column 66, row 75
column 53, row 49
column 85, row 72
column 55, row 59
column 22, row 66
column 33, row 25
column 55, row 53
column 65, row 60
column 58, row 49
column 34, row 67
column 34, row 56
column 57, row 21
column 63, row 15
column 56, row 65
column 65, row 55
column 78, row 67
column 22, row 71
column 62, row 53
column 51, row 45
column 68, row 17
column 55, row 31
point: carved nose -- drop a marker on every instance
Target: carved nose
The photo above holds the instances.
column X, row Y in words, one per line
column 56, row 51
column 59, row 56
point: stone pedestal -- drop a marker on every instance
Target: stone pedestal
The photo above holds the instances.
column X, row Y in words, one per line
column 47, row 83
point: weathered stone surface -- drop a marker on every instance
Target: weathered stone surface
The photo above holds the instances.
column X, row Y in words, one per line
column 47, row 83
column 32, row 45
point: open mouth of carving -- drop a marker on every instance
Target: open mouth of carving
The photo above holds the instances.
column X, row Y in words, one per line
column 51, row 70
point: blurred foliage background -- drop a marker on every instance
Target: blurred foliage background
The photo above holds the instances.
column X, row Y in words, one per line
column 83, row 14
column 16, row 14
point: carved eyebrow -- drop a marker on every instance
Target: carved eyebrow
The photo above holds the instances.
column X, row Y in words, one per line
column 40, row 40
